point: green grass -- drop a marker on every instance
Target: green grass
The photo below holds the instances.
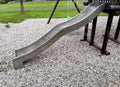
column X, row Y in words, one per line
column 15, row 16
column 38, row 5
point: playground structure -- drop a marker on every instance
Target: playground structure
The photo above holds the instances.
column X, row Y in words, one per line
column 87, row 15
column 112, row 9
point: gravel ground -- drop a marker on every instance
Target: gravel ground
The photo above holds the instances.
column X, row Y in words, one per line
column 67, row 63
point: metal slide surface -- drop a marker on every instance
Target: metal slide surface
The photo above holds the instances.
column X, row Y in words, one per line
column 78, row 21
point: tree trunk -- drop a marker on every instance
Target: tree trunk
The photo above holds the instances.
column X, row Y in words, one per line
column 21, row 6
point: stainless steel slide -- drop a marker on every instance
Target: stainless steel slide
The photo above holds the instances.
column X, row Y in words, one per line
column 87, row 15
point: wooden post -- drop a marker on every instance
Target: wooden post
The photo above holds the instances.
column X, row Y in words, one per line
column 113, row 2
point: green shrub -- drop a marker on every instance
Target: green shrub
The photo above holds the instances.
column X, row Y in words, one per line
column 19, row 0
column 5, row 1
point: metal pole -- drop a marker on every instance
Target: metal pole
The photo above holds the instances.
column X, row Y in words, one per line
column 76, row 6
column 117, row 30
column 85, row 33
column 53, row 11
column 93, row 31
column 107, row 31
column 56, row 7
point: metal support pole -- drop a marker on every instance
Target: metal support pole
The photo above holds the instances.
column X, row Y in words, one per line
column 85, row 33
column 93, row 31
column 117, row 30
column 56, row 7
column 76, row 6
column 107, row 31
column 53, row 11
